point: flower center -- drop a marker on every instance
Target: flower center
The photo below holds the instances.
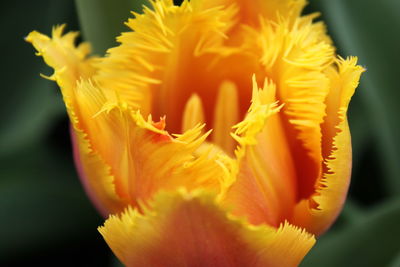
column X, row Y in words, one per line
column 208, row 89
column 224, row 115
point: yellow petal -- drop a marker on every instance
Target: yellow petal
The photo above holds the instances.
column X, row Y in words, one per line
column 70, row 64
column 143, row 157
column 318, row 213
column 295, row 57
column 265, row 186
column 189, row 229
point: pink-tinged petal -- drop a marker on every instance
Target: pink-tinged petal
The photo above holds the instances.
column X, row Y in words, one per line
column 320, row 211
column 189, row 229
column 95, row 176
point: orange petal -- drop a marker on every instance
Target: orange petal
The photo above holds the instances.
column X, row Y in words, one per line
column 265, row 186
column 250, row 11
column 143, row 157
column 295, row 57
column 318, row 213
column 189, row 229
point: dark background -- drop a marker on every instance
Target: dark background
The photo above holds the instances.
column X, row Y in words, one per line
column 47, row 220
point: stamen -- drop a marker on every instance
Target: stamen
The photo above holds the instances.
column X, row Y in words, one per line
column 226, row 115
column 193, row 113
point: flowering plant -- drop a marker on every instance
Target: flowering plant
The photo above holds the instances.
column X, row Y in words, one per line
column 187, row 190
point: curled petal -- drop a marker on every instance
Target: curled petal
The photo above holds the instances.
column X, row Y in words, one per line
column 189, row 229
column 318, row 213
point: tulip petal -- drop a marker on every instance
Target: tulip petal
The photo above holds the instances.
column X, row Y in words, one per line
column 295, row 57
column 265, row 187
column 143, row 157
column 189, row 229
column 71, row 64
column 318, row 213
column 95, row 176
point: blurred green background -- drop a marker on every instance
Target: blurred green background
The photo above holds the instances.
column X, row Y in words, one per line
column 47, row 220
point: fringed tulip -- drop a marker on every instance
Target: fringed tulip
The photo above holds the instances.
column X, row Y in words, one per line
column 232, row 174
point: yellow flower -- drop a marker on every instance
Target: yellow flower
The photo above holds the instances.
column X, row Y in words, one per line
column 252, row 196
